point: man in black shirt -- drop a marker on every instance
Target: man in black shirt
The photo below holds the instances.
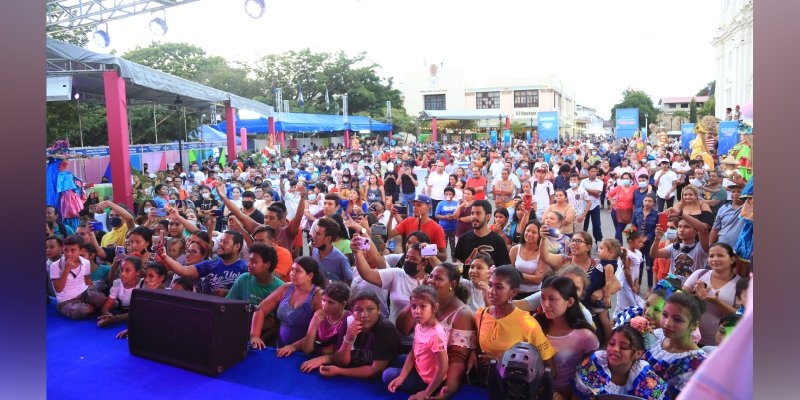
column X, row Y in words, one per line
column 480, row 235
column 248, row 200
column 408, row 187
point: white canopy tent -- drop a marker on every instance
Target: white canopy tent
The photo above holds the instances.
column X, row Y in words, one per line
column 596, row 131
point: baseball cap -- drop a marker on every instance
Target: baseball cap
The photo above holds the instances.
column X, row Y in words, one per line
column 423, row 199
column 190, row 175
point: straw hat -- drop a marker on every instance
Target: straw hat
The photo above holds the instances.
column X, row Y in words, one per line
column 729, row 160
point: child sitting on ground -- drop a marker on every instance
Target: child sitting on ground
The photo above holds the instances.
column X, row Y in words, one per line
column 119, row 297
column 72, row 283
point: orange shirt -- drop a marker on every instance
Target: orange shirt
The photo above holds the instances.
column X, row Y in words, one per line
column 284, row 260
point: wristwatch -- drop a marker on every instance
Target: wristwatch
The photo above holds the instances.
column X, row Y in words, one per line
column 363, row 231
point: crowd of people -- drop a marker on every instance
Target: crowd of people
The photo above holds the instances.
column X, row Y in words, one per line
column 422, row 264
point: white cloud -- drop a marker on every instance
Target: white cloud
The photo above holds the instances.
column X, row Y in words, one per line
column 598, row 48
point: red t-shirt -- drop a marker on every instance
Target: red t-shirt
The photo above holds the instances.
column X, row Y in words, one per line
column 431, row 228
column 475, row 182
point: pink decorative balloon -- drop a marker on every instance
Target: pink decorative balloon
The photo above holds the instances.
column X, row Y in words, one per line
column 747, row 110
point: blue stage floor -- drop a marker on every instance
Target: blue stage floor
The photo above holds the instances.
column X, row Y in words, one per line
column 84, row 362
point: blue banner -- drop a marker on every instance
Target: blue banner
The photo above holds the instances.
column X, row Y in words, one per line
column 507, row 137
column 687, row 134
column 528, row 136
column 493, row 134
column 547, row 122
column 627, row 122
column 147, row 148
column 728, row 136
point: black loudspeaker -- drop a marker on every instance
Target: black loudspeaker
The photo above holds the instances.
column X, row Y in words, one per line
column 198, row 332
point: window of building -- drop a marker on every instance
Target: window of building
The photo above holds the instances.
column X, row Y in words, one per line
column 435, row 102
column 684, row 105
column 526, row 98
column 487, row 100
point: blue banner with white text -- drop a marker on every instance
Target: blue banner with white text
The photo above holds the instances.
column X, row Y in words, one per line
column 547, row 122
column 493, row 134
column 687, row 134
column 507, row 137
column 728, row 136
column 528, row 136
column 627, row 122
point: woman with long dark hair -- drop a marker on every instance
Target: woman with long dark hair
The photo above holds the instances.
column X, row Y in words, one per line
column 295, row 301
column 562, row 321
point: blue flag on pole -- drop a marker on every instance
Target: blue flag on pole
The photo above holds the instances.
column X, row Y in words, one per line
column 300, row 101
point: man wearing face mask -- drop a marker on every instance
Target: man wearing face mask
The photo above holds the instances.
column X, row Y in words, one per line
column 331, row 261
column 119, row 221
column 643, row 189
column 248, row 207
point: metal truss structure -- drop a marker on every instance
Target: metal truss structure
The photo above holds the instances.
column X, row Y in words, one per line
column 71, row 14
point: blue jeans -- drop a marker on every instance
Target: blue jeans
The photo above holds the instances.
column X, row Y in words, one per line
column 412, row 384
column 408, row 201
column 618, row 227
column 594, row 215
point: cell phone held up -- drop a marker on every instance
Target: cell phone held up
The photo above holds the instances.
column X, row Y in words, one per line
column 402, row 210
column 429, row 250
column 120, row 251
column 379, row 230
column 662, row 220
column 527, row 201
column 363, row 243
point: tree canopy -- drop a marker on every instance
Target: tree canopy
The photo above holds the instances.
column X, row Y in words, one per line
column 633, row 98
column 339, row 72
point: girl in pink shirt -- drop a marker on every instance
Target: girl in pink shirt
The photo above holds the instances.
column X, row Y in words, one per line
column 426, row 365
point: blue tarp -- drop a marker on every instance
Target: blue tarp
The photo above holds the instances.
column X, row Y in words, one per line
column 297, row 122
column 209, row 134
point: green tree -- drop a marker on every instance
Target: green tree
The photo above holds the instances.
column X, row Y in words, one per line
column 633, row 98
column 693, row 111
column 681, row 116
column 340, row 73
column 707, row 108
column 179, row 59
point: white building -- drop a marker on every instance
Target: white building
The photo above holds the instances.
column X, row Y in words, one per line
column 586, row 118
column 733, row 44
column 521, row 98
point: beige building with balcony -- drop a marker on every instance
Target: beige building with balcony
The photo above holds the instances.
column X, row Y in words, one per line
column 521, row 98
column 670, row 105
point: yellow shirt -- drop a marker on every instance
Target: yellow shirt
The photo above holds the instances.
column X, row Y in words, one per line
column 495, row 336
column 116, row 237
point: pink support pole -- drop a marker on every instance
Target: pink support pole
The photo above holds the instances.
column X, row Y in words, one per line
column 508, row 123
column 271, row 128
column 433, row 127
column 243, row 136
column 230, row 128
column 390, row 136
column 283, row 140
column 347, row 138
column 118, row 144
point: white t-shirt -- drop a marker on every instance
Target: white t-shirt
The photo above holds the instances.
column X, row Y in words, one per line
column 709, row 322
column 121, row 293
column 541, row 194
column 438, row 182
column 76, row 283
column 694, row 258
column 400, row 285
column 597, row 184
column 665, row 181
column 621, row 170
column 577, row 198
